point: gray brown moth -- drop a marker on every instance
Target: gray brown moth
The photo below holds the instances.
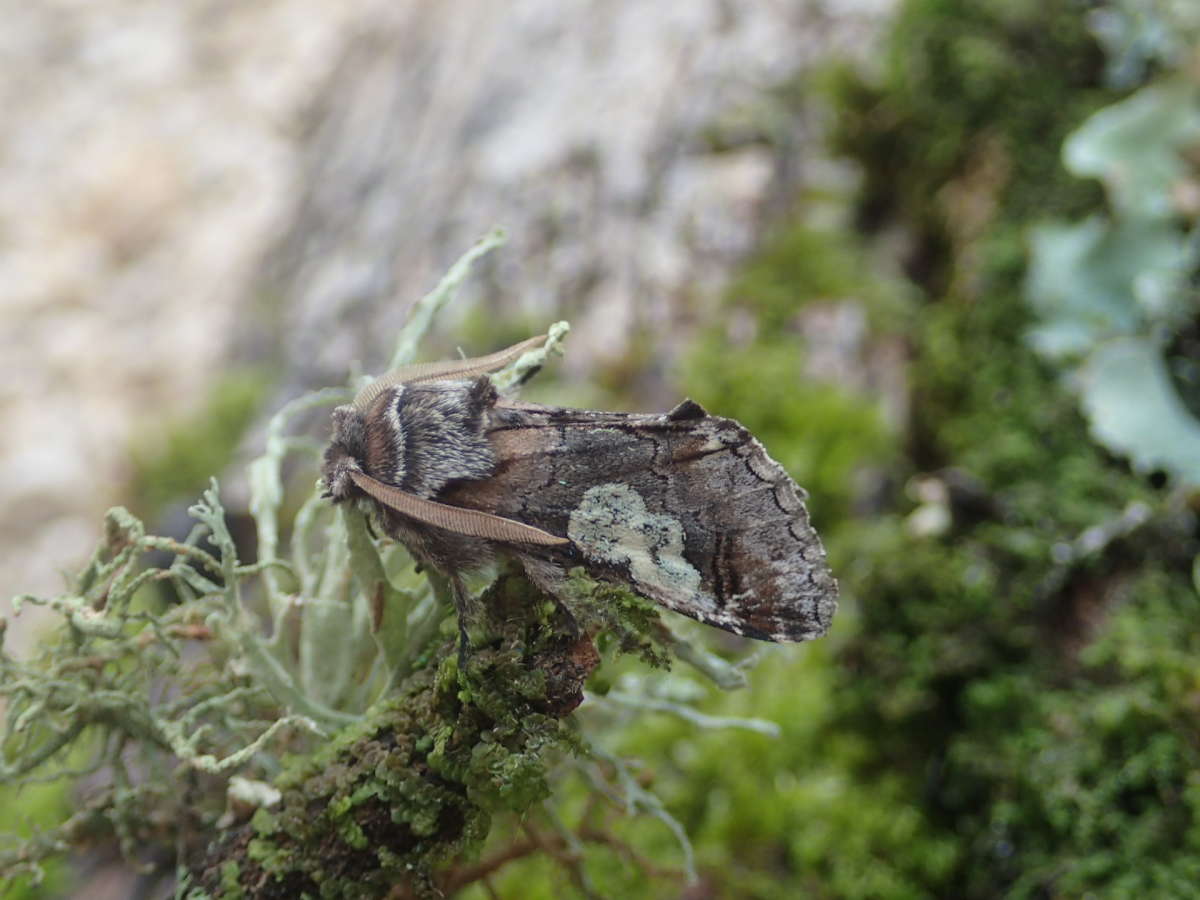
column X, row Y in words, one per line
column 684, row 508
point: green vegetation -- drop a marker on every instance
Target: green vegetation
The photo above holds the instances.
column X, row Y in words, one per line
column 342, row 750
column 1007, row 704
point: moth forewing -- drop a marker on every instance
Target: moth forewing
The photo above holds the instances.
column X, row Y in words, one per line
column 685, row 508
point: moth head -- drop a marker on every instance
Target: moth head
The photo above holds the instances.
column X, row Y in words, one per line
column 344, row 454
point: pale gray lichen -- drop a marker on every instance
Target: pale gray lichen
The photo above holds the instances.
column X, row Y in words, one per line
column 612, row 524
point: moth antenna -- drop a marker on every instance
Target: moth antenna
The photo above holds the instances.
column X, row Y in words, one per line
column 456, row 519
column 446, row 370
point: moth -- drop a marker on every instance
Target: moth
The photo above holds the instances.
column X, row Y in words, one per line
column 685, row 508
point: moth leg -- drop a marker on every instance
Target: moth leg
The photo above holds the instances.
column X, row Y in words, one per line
column 548, row 578
column 462, row 606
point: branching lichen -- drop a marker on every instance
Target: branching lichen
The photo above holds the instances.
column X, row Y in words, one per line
column 299, row 725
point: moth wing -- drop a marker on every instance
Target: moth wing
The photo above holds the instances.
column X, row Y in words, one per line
column 686, row 508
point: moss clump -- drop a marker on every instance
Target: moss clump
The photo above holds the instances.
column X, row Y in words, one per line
column 230, row 877
column 623, row 622
column 1017, row 671
column 1023, row 673
column 970, row 112
column 1006, row 706
column 415, row 784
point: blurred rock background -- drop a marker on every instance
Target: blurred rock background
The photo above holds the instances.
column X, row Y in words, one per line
column 207, row 207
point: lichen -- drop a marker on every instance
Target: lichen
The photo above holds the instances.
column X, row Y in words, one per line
column 612, row 524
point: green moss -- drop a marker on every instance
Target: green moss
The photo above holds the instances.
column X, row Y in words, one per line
column 972, row 107
column 1005, row 708
column 269, row 856
column 799, row 265
column 230, row 875
column 1026, row 698
column 779, row 817
column 417, row 781
column 181, row 464
column 624, row 623
column 263, row 822
column 351, row 833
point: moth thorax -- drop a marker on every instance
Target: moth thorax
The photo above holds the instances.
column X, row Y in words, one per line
column 422, row 437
